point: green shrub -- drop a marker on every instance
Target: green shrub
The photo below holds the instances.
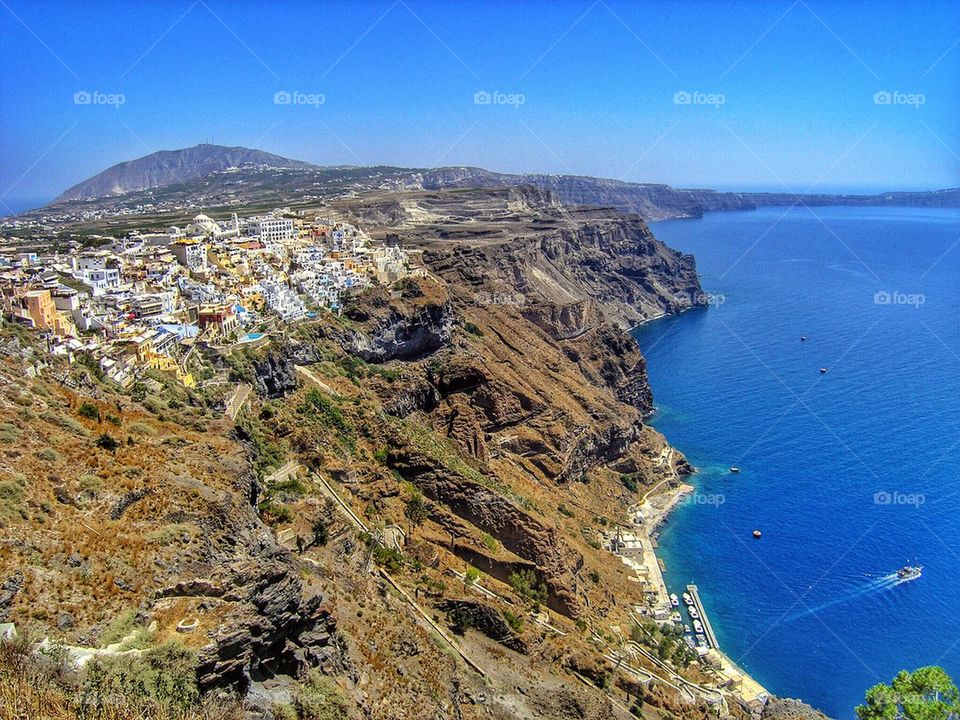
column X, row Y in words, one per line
column 9, row 433
column 526, row 585
column 390, row 558
column 141, row 428
column 514, row 620
column 490, row 543
column 165, row 675
column 564, row 510
column 90, row 484
column 12, row 499
column 318, row 406
column 48, row 455
column 273, row 513
column 122, row 626
column 472, row 329
column 629, row 482
column 292, row 486
column 89, row 411
column 106, row 441
column 285, row 712
column 318, row 698
column 67, row 423
column 167, row 534
column 138, row 391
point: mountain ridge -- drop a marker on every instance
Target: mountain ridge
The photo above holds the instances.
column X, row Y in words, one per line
column 168, row 167
column 211, row 175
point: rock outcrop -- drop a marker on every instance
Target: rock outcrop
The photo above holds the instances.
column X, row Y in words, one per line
column 268, row 627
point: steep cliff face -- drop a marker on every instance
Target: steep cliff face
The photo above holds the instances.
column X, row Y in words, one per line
column 517, row 246
column 400, row 336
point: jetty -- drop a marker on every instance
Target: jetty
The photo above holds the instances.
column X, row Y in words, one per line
column 636, row 544
column 731, row 675
column 707, row 627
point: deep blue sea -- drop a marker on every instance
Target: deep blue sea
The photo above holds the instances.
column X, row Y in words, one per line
column 850, row 474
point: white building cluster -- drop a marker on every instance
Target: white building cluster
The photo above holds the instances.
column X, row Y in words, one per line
column 144, row 300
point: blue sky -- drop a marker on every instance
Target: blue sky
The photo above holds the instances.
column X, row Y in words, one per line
column 781, row 93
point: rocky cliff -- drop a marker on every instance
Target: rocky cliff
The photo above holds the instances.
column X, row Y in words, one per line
column 411, row 505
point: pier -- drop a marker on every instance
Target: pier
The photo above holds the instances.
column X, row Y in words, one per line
column 752, row 693
column 636, row 545
column 707, row 627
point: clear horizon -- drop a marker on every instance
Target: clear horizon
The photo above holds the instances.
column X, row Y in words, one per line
column 780, row 97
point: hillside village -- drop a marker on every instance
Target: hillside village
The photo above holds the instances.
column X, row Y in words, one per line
column 144, row 301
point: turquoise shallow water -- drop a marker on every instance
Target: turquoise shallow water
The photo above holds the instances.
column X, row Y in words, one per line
column 850, row 474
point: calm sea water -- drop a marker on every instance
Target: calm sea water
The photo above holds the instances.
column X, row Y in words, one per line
column 850, row 474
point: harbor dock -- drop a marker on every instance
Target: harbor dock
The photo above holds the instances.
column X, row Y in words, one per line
column 732, row 675
column 636, row 547
column 707, row 627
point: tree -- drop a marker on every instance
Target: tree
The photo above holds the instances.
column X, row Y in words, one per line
column 417, row 510
column 927, row 693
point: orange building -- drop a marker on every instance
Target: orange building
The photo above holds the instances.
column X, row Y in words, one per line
column 43, row 312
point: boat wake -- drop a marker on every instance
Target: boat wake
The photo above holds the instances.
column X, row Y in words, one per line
column 871, row 587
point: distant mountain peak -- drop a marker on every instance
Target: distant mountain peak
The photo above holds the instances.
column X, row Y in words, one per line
column 169, row 167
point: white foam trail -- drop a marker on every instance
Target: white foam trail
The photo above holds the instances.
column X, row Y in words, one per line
column 879, row 584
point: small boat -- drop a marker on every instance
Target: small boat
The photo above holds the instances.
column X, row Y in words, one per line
column 701, row 641
column 823, row 371
column 691, row 643
column 687, row 629
column 910, row 572
column 687, row 600
column 698, row 627
column 734, row 469
column 757, row 534
column 674, row 600
column 803, row 338
column 694, row 613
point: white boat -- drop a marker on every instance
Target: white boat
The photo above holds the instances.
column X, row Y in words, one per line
column 687, row 600
column 693, row 613
column 698, row 627
column 674, row 600
column 909, row 572
column 687, row 629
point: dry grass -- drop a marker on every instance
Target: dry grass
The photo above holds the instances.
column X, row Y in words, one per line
column 42, row 687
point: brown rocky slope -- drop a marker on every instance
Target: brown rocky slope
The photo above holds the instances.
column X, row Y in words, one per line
column 413, row 501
